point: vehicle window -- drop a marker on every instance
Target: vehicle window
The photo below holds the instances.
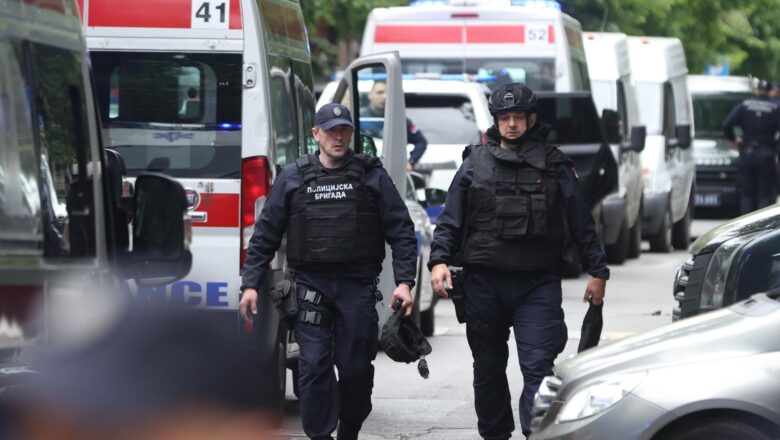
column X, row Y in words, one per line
column 283, row 114
column 538, row 74
column 178, row 113
column 306, row 103
column 579, row 74
column 443, row 119
column 710, row 110
column 650, row 103
column 371, row 102
column 573, row 119
column 66, row 163
column 670, row 120
column 622, row 109
column 20, row 204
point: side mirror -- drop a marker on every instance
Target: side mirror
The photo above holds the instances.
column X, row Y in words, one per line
column 612, row 130
column 435, row 196
column 637, row 142
column 161, row 236
column 683, row 135
column 368, row 145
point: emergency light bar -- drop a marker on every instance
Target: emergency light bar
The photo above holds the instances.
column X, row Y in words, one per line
column 539, row 4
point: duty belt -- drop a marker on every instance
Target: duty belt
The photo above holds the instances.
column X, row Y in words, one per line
column 313, row 317
column 307, row 295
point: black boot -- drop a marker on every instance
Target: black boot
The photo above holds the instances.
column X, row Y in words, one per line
column 346, row 433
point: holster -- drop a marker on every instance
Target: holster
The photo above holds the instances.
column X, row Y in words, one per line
column 284, row 298
column 458, row 294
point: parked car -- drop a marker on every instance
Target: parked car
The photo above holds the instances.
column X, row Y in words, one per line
column 729, row 263
column 716, row 158
column 709, row 377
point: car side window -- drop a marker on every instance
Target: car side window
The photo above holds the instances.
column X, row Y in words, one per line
column 622, row 110
column 285, row 134
column 670, row 118
column 20, row 202
column 66, row 165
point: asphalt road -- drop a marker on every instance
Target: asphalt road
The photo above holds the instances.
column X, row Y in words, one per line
column 405, row 406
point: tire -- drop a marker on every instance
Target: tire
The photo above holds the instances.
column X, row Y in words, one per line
column 618, row 253
column 661, row 241
column 681, row 231
column 713, row 428
column 427, row 321
column 635, row 237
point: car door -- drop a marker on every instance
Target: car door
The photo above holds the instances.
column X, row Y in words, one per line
column 385, row 135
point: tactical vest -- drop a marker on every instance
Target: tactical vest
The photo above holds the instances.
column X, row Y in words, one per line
column 335, row 217
column 515, row 212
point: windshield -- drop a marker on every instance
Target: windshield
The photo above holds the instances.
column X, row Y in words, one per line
column 538, row 74
column 573, row 119
column 710, row 110
column 178, row 113
column 443, row 119
column 650, row 99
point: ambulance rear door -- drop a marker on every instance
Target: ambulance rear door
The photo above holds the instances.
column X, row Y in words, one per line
column 381, row 136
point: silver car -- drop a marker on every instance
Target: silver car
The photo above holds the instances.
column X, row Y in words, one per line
column 714, row 376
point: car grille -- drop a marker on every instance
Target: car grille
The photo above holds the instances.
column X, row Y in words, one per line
column 715, row 175
column 688, row 284
column 546, row 402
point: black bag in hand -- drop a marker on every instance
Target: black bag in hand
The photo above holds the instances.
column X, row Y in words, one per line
column 403, row 341
column 591, row 327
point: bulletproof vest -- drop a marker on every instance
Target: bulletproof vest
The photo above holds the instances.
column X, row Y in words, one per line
column 335, row 217
column 515, row 211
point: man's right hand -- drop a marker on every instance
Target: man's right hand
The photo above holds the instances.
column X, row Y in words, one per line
column 248, row 302
column 441, row 279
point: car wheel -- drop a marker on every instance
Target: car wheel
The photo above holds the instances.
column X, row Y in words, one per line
column 618, row 252
column 716, row 429
column 428, row 321
column 681, row 232
column 635, row 237
column 662, row 240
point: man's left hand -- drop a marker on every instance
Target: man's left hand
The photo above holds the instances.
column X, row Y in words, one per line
column 409, row 166
column 595, row 291
column 403, row 293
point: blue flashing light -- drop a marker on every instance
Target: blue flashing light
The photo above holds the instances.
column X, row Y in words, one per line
column 229, row 127
column 429, row 3
column 541, row 4
column 372, row 76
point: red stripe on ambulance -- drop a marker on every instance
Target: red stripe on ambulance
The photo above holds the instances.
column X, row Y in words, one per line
column 551, row 34
column 222, row 210
column 418, row 34
column 495, row 34
column 235, row 14
column 166, row 14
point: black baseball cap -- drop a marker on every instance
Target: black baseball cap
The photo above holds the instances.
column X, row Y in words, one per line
column 764, row 84
column 331, row 115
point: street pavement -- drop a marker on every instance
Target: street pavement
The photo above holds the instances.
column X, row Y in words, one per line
column 638, row 298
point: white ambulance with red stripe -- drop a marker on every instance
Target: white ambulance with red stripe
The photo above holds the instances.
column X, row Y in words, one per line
column 497, row 42
column 218, row 94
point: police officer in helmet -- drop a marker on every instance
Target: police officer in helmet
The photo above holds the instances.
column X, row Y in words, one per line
column 338, row 209
column 759, row 119
column 513, row 215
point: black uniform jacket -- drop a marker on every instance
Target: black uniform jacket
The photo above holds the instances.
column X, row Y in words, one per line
column 272, row 223
column 447, row 238
column 759, row 118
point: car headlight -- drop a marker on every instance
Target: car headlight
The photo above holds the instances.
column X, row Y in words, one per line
column 599, row 396
column 717, row 273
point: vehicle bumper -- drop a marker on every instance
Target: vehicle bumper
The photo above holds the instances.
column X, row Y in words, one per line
column 613, row 214
column 631, row 418
column 655, row 206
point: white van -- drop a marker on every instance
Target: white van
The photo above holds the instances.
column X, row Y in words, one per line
column 615, row 99
column 541, row 47
column 51, row 157
column 716, row 158
column 218, row 94
column 660, row 74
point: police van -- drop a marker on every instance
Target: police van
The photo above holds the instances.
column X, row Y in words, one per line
column 496, row 42
column 660, row 73
column 615, row 99
column 66, row 221
column 218, row 94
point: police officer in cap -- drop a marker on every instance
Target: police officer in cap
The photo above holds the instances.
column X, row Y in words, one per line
column 338, row 209
column 759, row 119
column 513, row 215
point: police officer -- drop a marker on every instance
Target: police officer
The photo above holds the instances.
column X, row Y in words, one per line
column 376, row 108
column 759, row 119
column 513, row 214
column 338, row 209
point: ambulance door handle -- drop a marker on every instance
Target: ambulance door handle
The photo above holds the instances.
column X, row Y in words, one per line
column 199, row 216
column 250, row 75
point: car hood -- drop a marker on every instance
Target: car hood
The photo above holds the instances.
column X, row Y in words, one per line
column 713, row 148
column 746, row 328
column 762, row 220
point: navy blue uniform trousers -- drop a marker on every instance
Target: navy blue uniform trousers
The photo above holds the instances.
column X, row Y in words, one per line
column 757, row 177
column 529, row 303
column 351, row 345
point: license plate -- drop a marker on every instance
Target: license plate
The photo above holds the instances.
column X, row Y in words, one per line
column 707, row 199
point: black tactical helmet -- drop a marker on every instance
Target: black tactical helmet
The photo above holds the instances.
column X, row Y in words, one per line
column 764, row 85
column 512, row 97
column 402, row 340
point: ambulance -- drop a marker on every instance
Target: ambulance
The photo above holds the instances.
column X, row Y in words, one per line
column 495, row 41
column 219, row 94
column 660, row 75
column 69, row 234
column 615, row 99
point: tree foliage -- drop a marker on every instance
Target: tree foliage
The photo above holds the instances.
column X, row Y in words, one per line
column 745, row 32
